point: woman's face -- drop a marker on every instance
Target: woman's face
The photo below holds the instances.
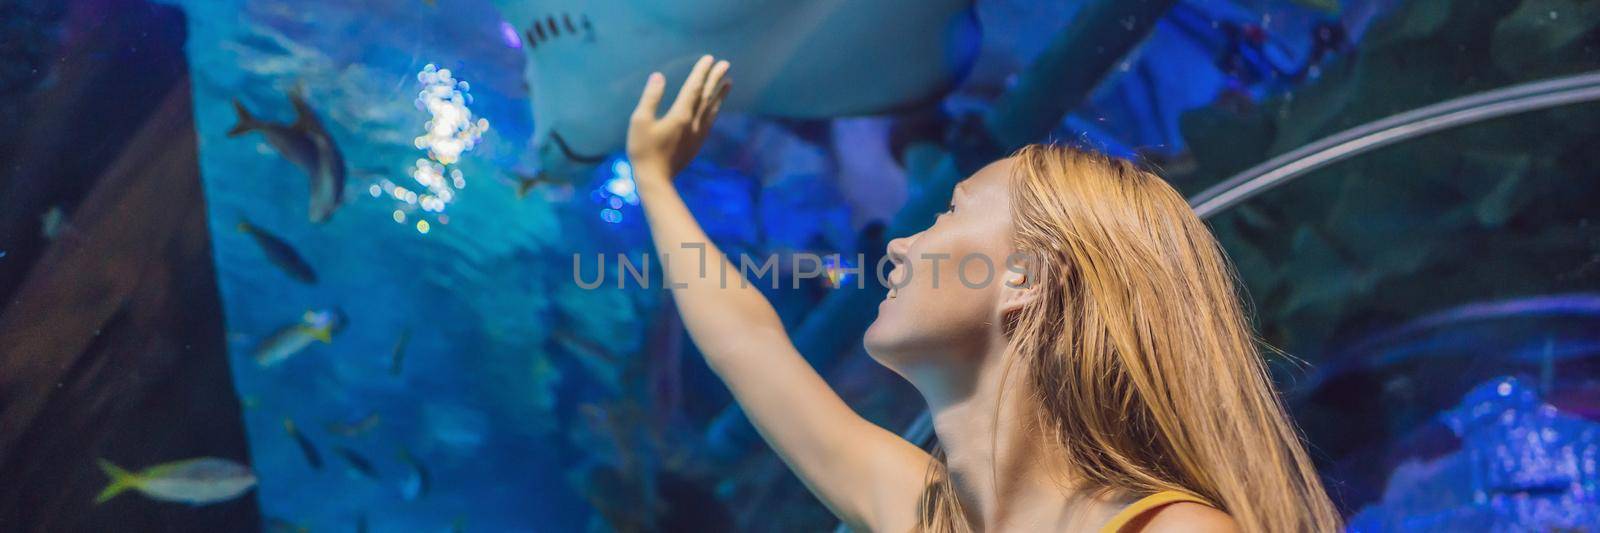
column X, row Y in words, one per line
column 946, row 287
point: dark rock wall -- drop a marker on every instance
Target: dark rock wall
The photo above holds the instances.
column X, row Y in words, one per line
column 111, row 336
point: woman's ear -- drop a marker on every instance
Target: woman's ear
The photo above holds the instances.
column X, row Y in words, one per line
column 1017, row 290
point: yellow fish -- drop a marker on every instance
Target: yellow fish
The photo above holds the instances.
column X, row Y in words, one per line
column 356, row 428
column 198, row 481
column 291, row 339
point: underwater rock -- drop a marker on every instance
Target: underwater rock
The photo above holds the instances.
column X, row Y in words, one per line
column 1251, row 132
column 31, row 30
column 1453, row 198
column 1542, row 35
column 587, row 61
column 112, row 333
column 1413, row 20
column 1523, row 466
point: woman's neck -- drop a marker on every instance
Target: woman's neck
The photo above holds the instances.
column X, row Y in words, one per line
column 1005, row 475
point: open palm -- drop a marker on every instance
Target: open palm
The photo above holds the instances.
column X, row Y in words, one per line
column 660, row 146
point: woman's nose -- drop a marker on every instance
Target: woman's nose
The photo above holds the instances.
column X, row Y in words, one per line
column 897, row 249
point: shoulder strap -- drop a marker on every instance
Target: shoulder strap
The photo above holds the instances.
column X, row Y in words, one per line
column 1146, row 504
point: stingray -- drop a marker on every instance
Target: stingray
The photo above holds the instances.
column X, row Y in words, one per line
column 588, row 60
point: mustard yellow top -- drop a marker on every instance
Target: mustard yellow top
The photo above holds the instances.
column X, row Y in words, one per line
column 1147, row 503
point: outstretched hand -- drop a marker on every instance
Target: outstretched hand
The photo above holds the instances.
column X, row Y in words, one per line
column 660, row 147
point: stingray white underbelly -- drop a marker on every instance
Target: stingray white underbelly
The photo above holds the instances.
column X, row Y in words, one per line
column 588, row 59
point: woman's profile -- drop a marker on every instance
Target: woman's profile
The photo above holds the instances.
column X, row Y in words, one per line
column 1111, row 383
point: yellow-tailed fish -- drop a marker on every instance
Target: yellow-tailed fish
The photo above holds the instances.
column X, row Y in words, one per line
column 291, row 339
column 306, row 447
column 355, row 428
column 198, row 481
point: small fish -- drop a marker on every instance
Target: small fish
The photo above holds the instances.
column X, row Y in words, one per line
column 279, row 525
column 525, row 183
column 198, row 481
column 52, row 222
column 306, row 144
column 417, row 481
column 358, row 463
column 356, row 428
column 584, row 348
column 1326, row 6
column 306, row 448
column 291, row 339
column 250, row 401
column 398, row 353
column 361, row 524
column 279, row 252
column 1543, row 488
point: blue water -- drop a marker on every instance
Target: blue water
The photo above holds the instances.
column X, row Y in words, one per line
column 474, row 401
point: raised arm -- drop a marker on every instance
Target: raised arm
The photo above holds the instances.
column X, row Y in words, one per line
column 867, row 475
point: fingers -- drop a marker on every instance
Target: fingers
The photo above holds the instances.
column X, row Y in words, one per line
column 713, row 82
column 711, row 94
column 714, row 104
column 651, row 98
column 688, row 101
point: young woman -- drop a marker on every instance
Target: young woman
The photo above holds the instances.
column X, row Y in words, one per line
column 1111, row 385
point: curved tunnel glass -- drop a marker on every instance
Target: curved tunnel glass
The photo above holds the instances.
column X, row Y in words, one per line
column 1445, row 292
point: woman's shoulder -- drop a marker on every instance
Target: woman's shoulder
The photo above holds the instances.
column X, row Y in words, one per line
column 1190, row 517
column 1171, row 511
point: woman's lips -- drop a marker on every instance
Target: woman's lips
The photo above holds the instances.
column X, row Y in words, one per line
column 893, row 290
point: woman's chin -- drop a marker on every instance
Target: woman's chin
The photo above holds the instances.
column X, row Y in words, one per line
column 875, row 339
column 882, row 343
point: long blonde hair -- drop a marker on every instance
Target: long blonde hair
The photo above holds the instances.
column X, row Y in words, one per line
column 1137, row 355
